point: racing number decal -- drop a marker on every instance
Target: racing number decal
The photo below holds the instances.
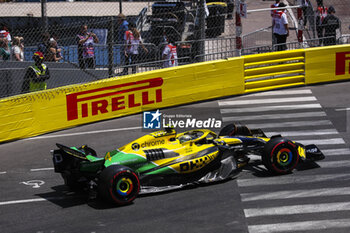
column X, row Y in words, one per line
column 108, row 156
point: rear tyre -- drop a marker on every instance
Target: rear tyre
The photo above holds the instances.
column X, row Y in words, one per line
column 118, row 184
column 280, row 156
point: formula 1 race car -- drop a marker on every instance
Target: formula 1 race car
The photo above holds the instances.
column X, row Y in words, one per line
column 165, row 160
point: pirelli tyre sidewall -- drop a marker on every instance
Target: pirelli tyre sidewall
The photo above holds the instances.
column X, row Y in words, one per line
column 280, row 156
column 118, row 184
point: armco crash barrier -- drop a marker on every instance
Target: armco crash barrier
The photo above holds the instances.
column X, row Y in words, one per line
column 46, row 111
column 269, row 71
column 327, row 64
column 264, row 72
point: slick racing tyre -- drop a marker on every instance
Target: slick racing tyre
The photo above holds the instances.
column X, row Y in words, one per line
column 235, row 129
column 118, row 184
column 280, row 155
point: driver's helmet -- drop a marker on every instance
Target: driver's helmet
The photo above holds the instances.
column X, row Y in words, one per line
column 185, row 138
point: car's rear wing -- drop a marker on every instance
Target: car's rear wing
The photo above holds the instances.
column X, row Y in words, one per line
column 73, row 152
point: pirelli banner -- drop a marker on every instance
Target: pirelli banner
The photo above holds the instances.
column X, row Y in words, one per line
column 46, row 111
column 327, row 64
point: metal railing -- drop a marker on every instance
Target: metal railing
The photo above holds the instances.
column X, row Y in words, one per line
column 305, row 44
column 344, row 39
column 260, row 37
column 257, row 50
column 214, row 56
column 146, row 66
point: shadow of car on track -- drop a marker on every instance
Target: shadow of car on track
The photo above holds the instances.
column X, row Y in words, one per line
column 66, row 198
column 100, row 204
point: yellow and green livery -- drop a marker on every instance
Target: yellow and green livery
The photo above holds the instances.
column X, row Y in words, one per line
column 165, row 160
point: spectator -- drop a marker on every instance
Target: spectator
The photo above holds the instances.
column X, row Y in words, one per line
column 123, row 26
column 59, row 50
column 230, row 8
column 169, row 54
column 330, row 24
column 307, row 12
column 275, row 5
column 36, row 75
column 4, row 50
column 86, row 52
column 133, row 40
column 5, row 34
column 44, row 45
column 273, row 13
column 321, row 13
column 54, row 53
column 280, row 28
column 17, row 49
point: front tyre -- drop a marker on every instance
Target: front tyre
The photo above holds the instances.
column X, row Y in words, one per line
column 280, row 156
column 118, row 184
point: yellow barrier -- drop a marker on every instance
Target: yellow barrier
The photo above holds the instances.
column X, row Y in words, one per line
column 274, row 70
column 37, row 113
column 327, row 64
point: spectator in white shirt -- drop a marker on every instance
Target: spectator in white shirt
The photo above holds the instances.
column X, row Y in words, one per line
column 17, row 49
column 133, row 40
column 169, row 54
column 280, row 28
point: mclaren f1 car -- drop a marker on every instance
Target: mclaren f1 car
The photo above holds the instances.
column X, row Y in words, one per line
column 165, row 159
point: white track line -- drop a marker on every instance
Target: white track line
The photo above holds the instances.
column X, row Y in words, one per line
column 31, row 200
column 342, row 109
column 84, row 133
column 289, row 124
column 22, row 201
column 334, row 164
column 297, row 209
column 283, row 92
column 1, row 173
column 303, row 133
column 342, row 151
column 329, row 141
column 303, row 226
column 270, row 108
column 322, row 164
column 275, row 116
column 290, row 179
column 295, row 194
column 267, row 101
column 42, row 169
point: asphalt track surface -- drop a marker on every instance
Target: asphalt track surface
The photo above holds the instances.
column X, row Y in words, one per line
column 312, row 199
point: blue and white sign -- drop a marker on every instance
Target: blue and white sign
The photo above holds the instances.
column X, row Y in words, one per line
column 152, row 120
